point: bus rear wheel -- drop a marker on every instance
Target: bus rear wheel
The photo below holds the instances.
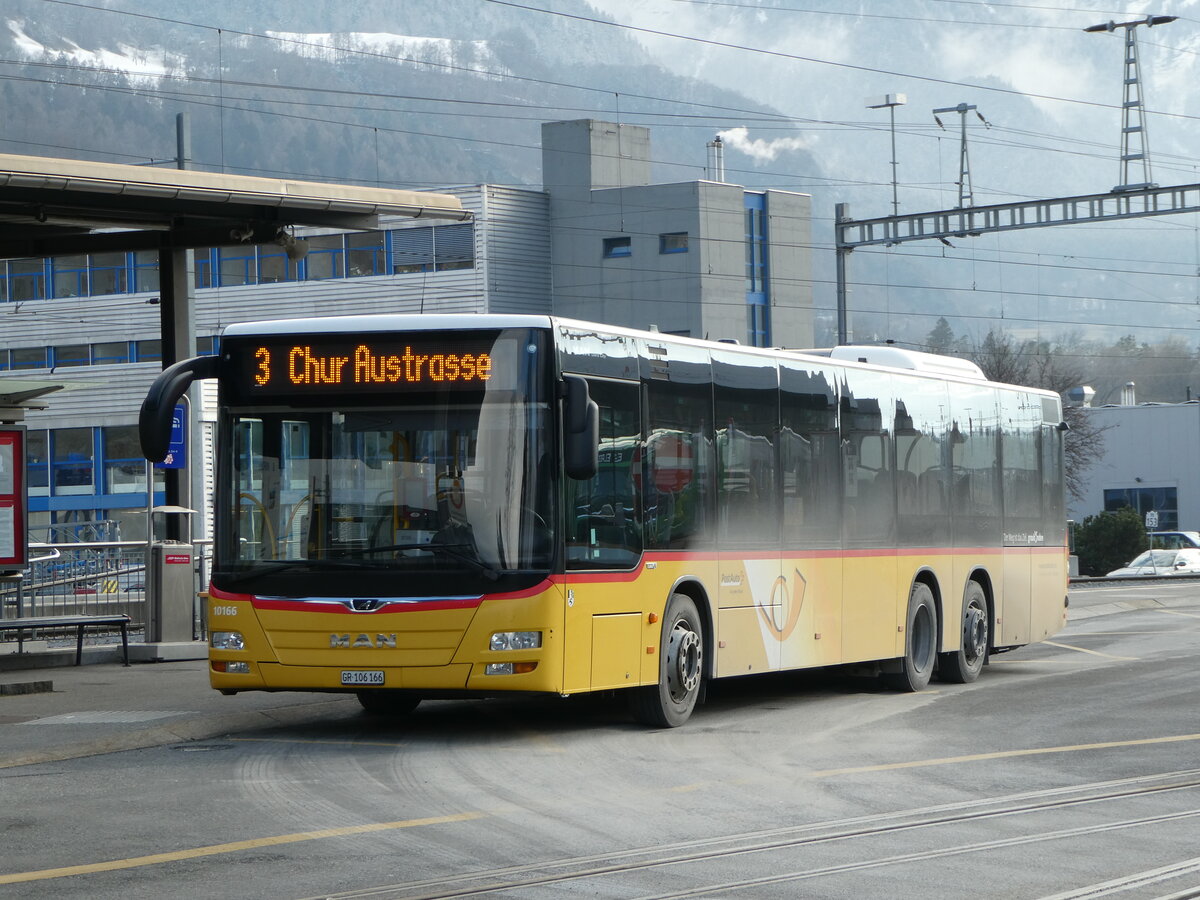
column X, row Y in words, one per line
column 963, row 665
column 669, row 703
column 387, row 703
column 920, row 642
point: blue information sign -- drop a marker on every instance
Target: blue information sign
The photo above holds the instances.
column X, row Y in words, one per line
column 177, row 450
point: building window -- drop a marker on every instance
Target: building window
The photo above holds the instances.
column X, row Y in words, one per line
column 110, row 352
column 147, row 351
column 73, row 454
column 326, row 257
column 70, row 276
column 366, row 253
column 676, row 242
column 238, row 265
column 37, row 461
column 615, row 247
column 757, row 271
column 124, row 465
column 107, row 274
column 1163, row 500
column 145, row 269
column 205, row 263
column 26, row 279
column 208, row 345
column 454, row 247
column 274, row 265
column 412, row 250
column 29, row 358
column 758, row 324
column 72, row 355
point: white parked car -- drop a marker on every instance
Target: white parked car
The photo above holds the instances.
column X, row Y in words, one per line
column 1161, row 562
column 1174, row 540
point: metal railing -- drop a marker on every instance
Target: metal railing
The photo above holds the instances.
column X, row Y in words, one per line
column 96, row 578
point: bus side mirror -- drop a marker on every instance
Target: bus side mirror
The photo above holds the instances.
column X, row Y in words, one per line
column 154, row 420
column 581, row 429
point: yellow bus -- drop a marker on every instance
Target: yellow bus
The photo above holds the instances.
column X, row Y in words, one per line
column 415, row 507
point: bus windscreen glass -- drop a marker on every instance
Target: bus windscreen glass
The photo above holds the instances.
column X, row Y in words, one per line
column 449, row 487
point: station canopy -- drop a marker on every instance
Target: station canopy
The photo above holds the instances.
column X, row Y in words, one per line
column 51, row 206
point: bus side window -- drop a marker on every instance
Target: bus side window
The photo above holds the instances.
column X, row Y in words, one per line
column 866, row 423
column 603, row 514
column 810, row 454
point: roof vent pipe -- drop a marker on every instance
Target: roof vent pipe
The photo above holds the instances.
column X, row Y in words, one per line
column 716, row 160
column 1128, row 395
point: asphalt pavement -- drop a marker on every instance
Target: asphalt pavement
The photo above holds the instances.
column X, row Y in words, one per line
column 52, row 710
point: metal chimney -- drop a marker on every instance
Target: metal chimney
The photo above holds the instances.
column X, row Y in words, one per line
column 716, row 159
column 1128, row 395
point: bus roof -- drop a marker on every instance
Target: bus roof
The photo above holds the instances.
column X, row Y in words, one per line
column 870, row 355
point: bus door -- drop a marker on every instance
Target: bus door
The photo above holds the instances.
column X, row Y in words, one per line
column 604, row 641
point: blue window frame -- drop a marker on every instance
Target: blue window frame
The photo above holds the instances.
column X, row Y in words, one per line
column 26, row 279
column 758, row 271
column 616, row 247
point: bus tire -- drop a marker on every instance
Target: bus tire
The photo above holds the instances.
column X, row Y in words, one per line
column 387, row 703
column 920, row 642
column 963, row 665
column 669, row 703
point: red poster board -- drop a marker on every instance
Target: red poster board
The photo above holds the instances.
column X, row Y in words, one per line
column 14, row 506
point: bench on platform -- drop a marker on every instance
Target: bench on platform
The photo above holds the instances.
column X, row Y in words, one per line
column 32, row 623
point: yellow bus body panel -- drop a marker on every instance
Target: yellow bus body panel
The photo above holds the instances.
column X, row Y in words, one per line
column 602, row 630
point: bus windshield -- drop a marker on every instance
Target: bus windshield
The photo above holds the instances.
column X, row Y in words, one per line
column 451, row 492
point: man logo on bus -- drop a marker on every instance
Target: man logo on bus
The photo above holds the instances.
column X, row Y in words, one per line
column 363, row 640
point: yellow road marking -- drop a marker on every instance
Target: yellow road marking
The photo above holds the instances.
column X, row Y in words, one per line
column 1005, row 754
column 1175, row 612
column 1085, row 650
column 233, row 847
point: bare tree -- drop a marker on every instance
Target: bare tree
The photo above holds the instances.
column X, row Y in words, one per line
column 1036, row 364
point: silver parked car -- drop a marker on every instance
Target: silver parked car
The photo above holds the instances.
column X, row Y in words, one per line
column 1161, row 562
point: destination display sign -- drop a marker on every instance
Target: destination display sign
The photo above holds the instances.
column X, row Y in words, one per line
column 293, row 366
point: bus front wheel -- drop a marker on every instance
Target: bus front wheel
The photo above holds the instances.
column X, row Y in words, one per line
column 680, row 671
column 963, row 665
column 920, row 642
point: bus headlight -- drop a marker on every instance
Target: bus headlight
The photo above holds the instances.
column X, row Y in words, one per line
column 521, row 668
column 516, row 640
column 227, row 640
column 231, row 668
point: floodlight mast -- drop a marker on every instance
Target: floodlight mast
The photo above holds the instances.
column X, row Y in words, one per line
column 1133, row 110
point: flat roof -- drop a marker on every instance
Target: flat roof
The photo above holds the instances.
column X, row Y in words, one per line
column 51, row 206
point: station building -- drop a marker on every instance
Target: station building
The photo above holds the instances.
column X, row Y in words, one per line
column 599, row 241
column 1150, row 460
